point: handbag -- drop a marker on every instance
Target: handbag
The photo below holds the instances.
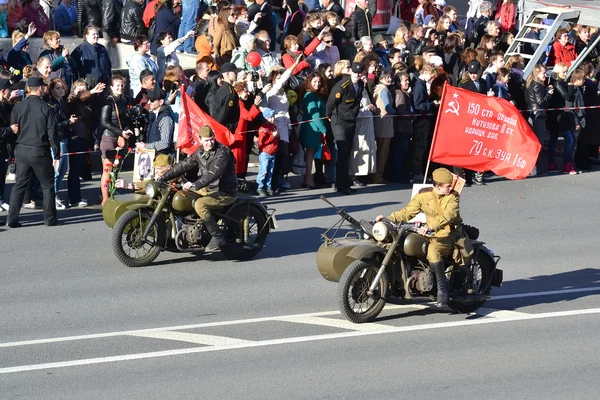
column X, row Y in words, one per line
column 325, row 152
column 395, row 20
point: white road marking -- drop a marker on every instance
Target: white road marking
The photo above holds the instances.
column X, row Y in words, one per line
column 208, row 340
column 335, row 323
column 416, row 305
column 494, row 313
column 302, row 339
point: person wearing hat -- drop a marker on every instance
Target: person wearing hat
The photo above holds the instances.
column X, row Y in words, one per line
column 440, row 204
column 342, row 108
column 36, row 124
column 162, row 163
column 161, row 124
column 474, row 82
column 226, row 100
column 216, row 183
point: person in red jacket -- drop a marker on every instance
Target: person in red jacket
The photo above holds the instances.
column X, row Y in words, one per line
column 238, row 147
column 506, row 14
column 291, row 51
column 562, row 50
column 268, row 143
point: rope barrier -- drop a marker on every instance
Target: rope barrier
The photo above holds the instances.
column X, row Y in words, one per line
column 413, row 115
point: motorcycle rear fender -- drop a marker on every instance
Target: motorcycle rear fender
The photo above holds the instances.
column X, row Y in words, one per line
column 497, row 275
column 250, row 202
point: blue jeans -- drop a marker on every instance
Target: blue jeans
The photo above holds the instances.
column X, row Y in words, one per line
column 266, row 164
column 569, row 146
column 189, row 14
column 63, row 166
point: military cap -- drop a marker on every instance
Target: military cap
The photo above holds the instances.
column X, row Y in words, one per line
column 35, row 81
column 429, row 49
column 474, row 67
column 206, row 132
column 229, row 67
column 442, row 175
column 162, row 160
column 358, row 68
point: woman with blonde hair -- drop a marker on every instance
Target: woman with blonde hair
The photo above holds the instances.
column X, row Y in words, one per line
column 401, row 37
column 538, row 97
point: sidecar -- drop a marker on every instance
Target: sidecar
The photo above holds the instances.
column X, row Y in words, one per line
column 115, row 207
column 335, row 255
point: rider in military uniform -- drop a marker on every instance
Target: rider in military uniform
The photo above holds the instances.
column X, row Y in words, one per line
column 342, row 107
column 441, row 207
column 474, row 82
column 217, row 181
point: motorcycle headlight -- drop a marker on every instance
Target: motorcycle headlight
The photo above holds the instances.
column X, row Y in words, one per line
column 380, row 231
column 151, row 190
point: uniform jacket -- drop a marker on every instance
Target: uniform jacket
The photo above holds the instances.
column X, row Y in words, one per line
column 111, row 17
column 441, row 212
column 92, row 60
column 361, row 22
column 224, row 41
column 469, row 85
column 132, row 23
column 344, row 102
column 227, row 107
column 89, row 12
column 37, row 125
column 216, row 169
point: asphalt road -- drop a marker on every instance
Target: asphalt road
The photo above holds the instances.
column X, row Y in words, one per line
column 75, row 324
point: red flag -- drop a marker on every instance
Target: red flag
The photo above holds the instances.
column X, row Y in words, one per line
column 483, row 133
column 191, row 119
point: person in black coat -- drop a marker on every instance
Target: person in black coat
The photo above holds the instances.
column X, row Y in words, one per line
column 111, row 20
column 538, row 98
column 227, row 105
column 132, row 24
column 343, row 105
column 474, row 82
column 7, row 137
column 89, row 13
column 35, row 122
column 361, row 20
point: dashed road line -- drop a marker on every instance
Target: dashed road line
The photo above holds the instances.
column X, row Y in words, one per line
column 301, row 339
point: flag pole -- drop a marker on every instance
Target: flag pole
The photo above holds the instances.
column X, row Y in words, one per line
column 177, row 158
column 435, row 133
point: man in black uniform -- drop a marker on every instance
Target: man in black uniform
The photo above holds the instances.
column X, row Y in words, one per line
column 37, row 135
column 217, row 181
column 227, row 104
column 342, row 108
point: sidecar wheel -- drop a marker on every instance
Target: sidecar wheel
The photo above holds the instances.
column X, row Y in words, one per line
column 125, row 239
column 355, row 304
column 484, row 268
column 237, row 247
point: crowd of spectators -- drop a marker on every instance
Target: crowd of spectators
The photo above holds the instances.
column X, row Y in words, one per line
column 312, row 89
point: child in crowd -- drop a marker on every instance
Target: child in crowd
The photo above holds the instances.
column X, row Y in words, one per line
column 501, row 87
column 268, row 141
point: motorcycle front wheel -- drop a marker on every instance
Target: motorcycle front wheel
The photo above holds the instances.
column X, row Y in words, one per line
column 355, row 303
column 127, row 244
column 482, row 271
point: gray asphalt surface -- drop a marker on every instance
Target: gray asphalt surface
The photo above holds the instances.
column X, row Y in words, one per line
column 63, row 282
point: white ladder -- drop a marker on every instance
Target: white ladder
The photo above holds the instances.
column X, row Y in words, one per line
column 558, row 15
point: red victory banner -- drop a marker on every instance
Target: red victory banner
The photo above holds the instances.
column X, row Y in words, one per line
column 191, row 119
column 483, row 133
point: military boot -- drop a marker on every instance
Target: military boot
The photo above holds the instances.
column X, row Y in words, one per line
column 217, row 235
column 439, row 270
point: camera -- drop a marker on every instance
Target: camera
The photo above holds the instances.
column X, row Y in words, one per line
column 138, row 117
column 254, row 76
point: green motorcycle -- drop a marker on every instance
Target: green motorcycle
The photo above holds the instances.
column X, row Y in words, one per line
column 164, row 220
